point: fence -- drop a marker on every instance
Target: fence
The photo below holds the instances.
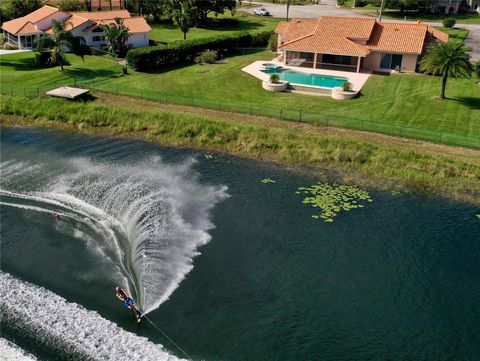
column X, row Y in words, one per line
column 446, row 136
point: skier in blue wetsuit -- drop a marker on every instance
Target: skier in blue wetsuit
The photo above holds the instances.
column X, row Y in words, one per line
column 128, row 302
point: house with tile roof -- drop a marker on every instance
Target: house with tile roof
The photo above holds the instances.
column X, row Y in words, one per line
column 354, row 44
column 89, row 25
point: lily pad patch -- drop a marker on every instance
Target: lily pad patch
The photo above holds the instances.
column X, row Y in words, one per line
column 333, row 199
column 267, row 180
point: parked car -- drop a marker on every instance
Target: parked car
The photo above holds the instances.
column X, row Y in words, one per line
column 261, row 12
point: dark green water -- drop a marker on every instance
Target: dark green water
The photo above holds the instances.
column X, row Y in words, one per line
column 397, row 280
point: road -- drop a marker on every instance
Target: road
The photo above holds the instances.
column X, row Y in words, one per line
column 329, row 8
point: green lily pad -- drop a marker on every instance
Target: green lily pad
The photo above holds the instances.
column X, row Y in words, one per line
column 333, row 198
column 267, row 180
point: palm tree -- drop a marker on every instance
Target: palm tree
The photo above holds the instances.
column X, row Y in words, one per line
column 118, row 34
column 447, row 59
column 58, row 41
column 184, row 16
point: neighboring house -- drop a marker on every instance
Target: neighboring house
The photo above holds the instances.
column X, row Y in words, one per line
column 99, row 5
column 354, row 44
column 89, row 25
column 451, row 6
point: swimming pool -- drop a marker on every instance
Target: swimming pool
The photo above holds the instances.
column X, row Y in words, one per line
column 295, row 77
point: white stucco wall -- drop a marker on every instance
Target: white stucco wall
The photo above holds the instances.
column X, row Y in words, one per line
column 409, row 62
column 138, row 40
column 372, row 61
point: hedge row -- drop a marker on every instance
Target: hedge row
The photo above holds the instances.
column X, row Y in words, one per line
column 181, row 52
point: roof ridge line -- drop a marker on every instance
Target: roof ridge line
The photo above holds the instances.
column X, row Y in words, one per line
column 297, row 39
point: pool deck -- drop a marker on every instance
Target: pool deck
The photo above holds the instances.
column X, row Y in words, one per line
column 358, row 80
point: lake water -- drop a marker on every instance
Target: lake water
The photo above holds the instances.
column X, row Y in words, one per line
column 229, row 268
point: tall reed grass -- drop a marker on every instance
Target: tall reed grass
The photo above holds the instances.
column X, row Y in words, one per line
column 359, row 161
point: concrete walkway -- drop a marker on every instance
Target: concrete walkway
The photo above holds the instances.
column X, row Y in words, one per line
column 358, row 80
column 6, row 52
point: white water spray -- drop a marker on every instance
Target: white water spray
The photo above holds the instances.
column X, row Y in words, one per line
column 148, row 218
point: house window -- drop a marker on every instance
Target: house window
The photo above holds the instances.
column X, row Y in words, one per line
column 307, row 56
column 98, row 38
column 337, row 59
column 391, row 61
column 26, row 41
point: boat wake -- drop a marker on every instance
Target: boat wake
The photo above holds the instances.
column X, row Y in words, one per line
column 148, row 218
column 65, row 329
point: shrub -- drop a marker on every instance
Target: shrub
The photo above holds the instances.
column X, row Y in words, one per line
column 43, row 59
column 8, row 46
column 207, row 57
column 274, row 79
column 182, row 52
column 449, row 22
column 347, row 86
column 476, row 68
column 273, row 42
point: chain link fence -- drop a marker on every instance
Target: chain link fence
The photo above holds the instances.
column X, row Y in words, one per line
column 445, row 136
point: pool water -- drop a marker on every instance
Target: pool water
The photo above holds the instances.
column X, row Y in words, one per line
column 295, row 77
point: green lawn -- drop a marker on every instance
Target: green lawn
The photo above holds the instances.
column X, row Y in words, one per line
column 165, row 32
column 455, row 33
column 461, row 18
column 388, row 104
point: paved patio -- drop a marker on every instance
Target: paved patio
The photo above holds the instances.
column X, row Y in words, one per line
column 358, row 80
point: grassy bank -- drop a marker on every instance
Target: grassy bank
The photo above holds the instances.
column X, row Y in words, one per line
column 405, row 105
column 363, row 160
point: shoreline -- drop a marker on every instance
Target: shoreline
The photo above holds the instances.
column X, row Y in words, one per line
column 364, row 159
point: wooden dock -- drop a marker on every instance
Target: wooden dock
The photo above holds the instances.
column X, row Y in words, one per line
column 68, row 92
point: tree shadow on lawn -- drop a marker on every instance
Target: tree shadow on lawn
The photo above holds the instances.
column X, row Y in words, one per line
column 24, row 64
column 471, row 102
column 91, row 74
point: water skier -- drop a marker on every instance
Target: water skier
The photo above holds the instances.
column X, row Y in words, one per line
column 128, row 302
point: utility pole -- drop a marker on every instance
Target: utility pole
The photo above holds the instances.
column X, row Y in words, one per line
column 381, row 10
column 288, row 7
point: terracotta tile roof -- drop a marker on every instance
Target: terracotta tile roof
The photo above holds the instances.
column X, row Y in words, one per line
column 137, row 25
column 15, row 25
column 41, row 13
column 437, row 34
column 296, row 28
column 134, row 25
column 28, row 28
column 281, row 26
column 354, row 36
column 331, row 35
column 102, row 15
column 398, row 38
column 73, row 22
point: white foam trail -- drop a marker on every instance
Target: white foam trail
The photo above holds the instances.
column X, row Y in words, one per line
column 11, row 352
column 69, row 329
column 149, row 218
